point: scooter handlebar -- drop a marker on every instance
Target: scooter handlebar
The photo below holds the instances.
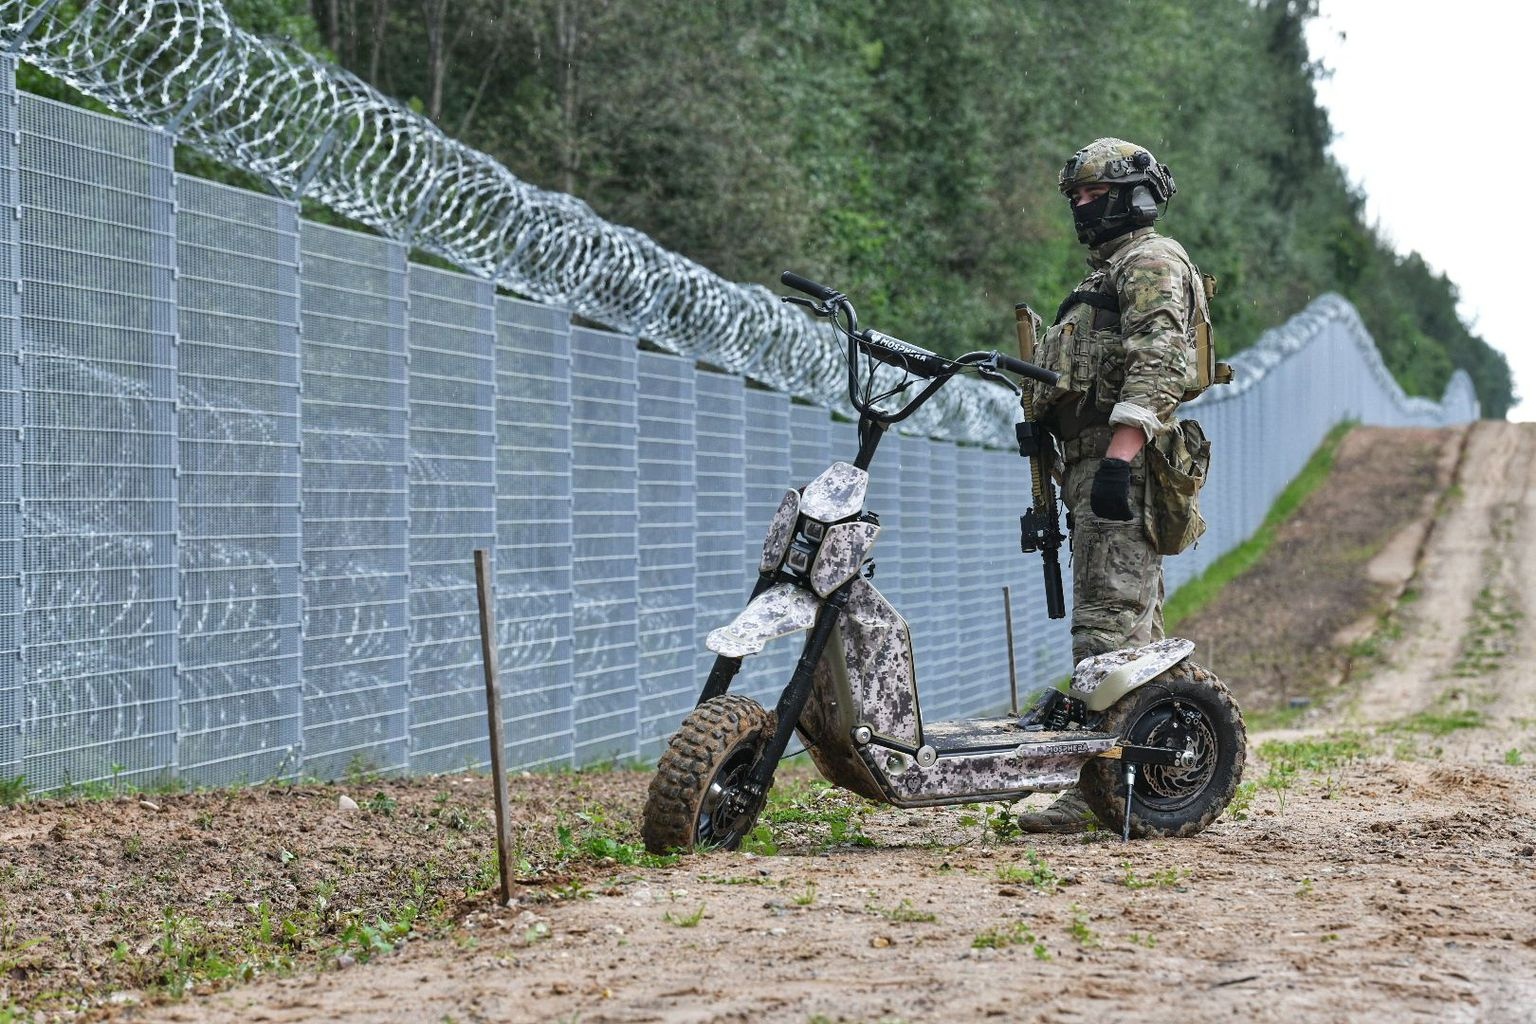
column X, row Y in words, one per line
column 1029, row 370
column 806, row 285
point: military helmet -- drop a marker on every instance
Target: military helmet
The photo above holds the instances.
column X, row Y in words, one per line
column 1137, row 184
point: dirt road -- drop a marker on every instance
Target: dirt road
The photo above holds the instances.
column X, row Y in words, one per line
column 1380, row 863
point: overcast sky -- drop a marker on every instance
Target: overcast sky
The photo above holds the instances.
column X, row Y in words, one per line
column 1431, row 106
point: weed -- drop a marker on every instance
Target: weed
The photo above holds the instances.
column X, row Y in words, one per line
column 1318, row 754
column 685, row 920
column 1164, row 879
column 1512, row 756
column 597, row 843
column 806, row 898
column 133, row 847
column 1242, row 800
column 12, row 791
column 1489, row 639
column 1002, row 822
column 1440, row 722
column 736, row 879
column 361, row 771
column 760, row 841
column 1015, row 934
column 818, row 803
column 382, row 804
column 905, row 913
column 1148, row 940
column 1304, row 887
column 1081, row 932
column 1038, row 874
column 1278, row 781
column 458, row 816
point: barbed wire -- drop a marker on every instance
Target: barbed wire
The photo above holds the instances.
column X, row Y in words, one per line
column 312, row 130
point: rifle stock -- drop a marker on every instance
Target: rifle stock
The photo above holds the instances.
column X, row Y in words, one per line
column 1040, row 526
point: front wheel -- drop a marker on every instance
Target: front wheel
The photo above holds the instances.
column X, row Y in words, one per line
column 696, row 798
column 1185, row 708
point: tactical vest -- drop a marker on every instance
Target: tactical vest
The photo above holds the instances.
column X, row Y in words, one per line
column 1086, row 348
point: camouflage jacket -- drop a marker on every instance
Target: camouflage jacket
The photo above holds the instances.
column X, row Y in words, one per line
column 1134, row 363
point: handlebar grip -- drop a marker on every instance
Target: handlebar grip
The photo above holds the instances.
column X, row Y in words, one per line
column 1030, row 370
column 805, row 284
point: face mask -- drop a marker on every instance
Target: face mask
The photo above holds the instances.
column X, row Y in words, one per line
column 1089, row 217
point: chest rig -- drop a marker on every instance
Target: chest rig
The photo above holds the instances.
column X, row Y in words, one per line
column 1085, row 344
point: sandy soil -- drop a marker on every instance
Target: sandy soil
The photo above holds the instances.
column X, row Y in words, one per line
column 1380, row 863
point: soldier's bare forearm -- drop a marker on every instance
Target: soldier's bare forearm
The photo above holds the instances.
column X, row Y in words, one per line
column 1125, row 443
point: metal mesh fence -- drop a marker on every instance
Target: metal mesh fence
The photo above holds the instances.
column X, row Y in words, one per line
column 356, row 503
column 244, row 461
column 452, row 510
column 99, row 458
column 241, row 627
column 11, row 597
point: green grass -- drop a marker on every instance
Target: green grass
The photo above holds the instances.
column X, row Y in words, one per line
column 1440, row 722
column 831, row 816
column 1199, row 592
column 1038, row 874
column 1314, row 753
column 1015, row 934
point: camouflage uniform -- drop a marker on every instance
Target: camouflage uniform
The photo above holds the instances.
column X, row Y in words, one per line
column 1131, row 368
column 1124, row 345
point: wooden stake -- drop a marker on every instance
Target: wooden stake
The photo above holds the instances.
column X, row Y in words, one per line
column 493, row 713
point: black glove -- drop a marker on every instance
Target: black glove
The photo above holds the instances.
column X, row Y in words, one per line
column 1111, row 497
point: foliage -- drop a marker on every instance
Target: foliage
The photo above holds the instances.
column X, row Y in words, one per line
column 907, row 151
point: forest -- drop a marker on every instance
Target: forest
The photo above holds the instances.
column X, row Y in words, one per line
column 907, row 150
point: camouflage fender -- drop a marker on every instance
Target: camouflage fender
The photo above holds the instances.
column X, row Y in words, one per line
column 1101, row 680
column 841, row 554
column 780, row 531
column 777, row 611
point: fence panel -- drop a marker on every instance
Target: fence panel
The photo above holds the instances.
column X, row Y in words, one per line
column 241, row 712
column 720, row 469
column 356, row 512
column 533, row 531
column 98, row 317
column 665, row 564
column 769, row 475
column 11, row 596
column 453, row 511
column 604, row 546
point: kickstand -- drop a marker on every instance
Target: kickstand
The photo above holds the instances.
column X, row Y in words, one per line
column 1130, row 787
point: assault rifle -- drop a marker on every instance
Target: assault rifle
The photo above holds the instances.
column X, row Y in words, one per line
column 1040, row 527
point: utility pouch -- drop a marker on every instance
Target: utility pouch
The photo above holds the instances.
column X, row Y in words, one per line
column 1177, row 461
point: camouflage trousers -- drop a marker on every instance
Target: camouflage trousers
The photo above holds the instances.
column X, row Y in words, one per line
column 1117, row 579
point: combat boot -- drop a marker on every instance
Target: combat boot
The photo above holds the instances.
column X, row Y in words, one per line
column 1070, row 813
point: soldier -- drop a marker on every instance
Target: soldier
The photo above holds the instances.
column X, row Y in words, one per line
column 1124, row 344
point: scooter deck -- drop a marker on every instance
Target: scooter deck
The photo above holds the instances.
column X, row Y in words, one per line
column 980, row 735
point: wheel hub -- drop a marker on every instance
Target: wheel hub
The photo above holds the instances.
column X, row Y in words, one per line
column 1175, row 725
column 728, row 799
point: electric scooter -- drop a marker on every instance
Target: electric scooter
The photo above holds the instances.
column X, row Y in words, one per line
column 1155, row 741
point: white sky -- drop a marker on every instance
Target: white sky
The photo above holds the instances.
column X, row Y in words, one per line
column 1434, row 115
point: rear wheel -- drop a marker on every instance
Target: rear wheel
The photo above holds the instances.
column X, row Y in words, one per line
column 698, row 797
column 1187, row 709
